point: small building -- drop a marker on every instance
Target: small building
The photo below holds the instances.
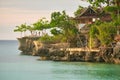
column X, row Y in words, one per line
column 88, row 16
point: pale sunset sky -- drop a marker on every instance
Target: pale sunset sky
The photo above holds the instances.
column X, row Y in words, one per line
column 16, row 12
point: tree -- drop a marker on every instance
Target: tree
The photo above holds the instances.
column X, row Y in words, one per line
column 21, row 28
column 113, row 6
column 31, row 29
column 41, row 25
column 56, row 32
column 24, row 28
column 114, row 10
column 18, row 29
column 78, row 11
column 100, row 2
column 104, row 32
column 63, row 21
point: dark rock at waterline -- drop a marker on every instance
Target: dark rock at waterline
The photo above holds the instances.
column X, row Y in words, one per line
column 43, row 52
column 90, row 56
column 116, row 54
column 58, row 55
column 30, row 46
column 56, row 52
column 77, row 56
column 111, row 55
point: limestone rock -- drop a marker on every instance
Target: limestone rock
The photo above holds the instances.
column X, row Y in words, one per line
column 57, row 52
column 116, row 53
column 26, row 45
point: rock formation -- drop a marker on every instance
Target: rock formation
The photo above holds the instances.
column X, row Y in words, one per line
column 57, row 52
column 26, row 45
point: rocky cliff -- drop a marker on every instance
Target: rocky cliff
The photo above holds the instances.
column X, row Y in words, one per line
column 31, row 46
column 57, row 52
column 111, row 55
column 26, row 45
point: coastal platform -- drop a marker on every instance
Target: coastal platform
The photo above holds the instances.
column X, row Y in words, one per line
column 81, row 50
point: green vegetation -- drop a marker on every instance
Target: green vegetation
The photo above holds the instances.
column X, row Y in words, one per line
column 46, row 39
column 21, row 28
column 62, row 28
column 65, row 24
column 35, row 28
column 104, row 32
column 41, row 25
column 78, row 11
column 56, row 32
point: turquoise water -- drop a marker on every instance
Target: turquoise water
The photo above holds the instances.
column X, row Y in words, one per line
column 14, row 66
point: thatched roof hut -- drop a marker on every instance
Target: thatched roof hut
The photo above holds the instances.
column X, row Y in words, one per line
column 87, row 16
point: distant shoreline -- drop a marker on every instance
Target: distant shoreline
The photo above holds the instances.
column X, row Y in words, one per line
column 7, row 40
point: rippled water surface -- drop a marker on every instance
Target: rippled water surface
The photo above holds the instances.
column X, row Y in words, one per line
column 14, row 66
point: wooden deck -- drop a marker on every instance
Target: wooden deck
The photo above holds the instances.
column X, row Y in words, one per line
column 77, row 51
column 82, row 49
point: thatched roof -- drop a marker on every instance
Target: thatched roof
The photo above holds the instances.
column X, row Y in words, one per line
column 88, row 13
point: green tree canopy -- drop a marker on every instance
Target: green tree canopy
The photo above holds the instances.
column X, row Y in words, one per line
column 63, row 21
column 78, row 11
column 104, row 32
column 21, row 28
column 41, row 24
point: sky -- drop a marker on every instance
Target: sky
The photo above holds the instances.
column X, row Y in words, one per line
column 16, row 12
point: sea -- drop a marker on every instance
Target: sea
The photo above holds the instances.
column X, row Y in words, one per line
column 14, row 66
